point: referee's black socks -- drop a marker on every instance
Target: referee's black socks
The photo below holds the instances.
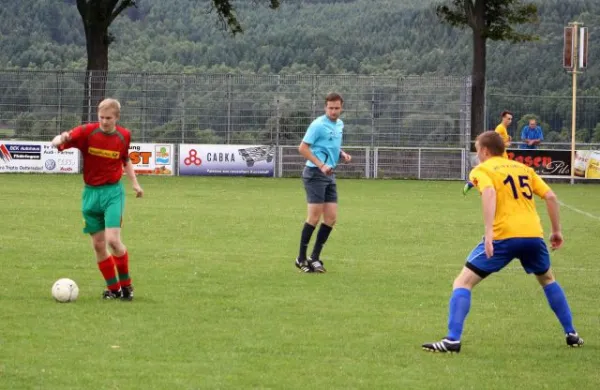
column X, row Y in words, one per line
column 307, row 232
column 322, row 237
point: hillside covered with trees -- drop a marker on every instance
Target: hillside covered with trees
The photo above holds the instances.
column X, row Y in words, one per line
column 387, row 37
column 308, row 36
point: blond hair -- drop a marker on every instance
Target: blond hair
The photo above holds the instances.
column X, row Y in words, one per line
column 110, row 103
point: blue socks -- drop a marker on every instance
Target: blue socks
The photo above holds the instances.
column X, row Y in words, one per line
column 460, row 303
column 558, row 302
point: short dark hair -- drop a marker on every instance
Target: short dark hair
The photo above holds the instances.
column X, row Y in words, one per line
column 505, row 113
column 492, row 141
column 334, row 97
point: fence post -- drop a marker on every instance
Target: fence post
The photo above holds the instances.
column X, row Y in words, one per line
column 277, row 112
column 314, row 95
column 59, row 90
column 278, row 125
column 372, row 111
column 375, row 162
column 90, row 75
column 419, row 165
column 144, row 104
column 228, row 108
column 465, row 119
column 182, row 108
column 367, row 163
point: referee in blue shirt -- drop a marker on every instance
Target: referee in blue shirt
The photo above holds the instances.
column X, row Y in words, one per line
column 322, row 149
column 531, row 135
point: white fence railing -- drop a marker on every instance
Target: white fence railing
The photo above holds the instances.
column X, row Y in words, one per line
column 386, row 163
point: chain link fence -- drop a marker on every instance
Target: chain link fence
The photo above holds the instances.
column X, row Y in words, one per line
column 241, row 109
column 553, row 113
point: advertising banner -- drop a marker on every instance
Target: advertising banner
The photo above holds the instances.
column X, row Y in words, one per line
column 544, row 162
column 226, row 160
column 36, row 157
column 587, row 164
column 152, row 159
column 555, row 163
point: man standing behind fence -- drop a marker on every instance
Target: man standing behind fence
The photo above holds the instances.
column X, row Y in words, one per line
column 322, row 149
column 531, row 135
column 502, row 129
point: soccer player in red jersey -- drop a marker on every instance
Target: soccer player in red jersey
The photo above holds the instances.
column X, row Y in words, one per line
column 105, row 149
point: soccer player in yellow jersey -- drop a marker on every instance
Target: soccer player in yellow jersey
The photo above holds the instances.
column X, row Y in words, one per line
column 502, row 129
column 512, row 230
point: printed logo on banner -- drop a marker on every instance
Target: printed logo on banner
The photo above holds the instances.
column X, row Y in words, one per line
column 257, row 153
column 4, row 153
column 20, row 152
column 193, row 158
column 50, row 164
column 162, row 154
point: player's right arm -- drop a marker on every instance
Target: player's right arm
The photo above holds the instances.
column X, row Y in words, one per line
column 70, row 139
column 485, row 186
column 543, row 190
column 311, row 136
column 500, row 129
column 61, row 139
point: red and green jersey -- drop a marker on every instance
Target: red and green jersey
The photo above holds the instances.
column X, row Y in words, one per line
column 104, row 155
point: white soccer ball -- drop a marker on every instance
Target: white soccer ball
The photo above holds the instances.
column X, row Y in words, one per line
column 65, row 290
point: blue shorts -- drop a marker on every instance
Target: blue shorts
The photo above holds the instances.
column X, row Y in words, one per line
column 532, row 252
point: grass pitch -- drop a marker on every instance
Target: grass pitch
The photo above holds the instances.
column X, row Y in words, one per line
column 219, row 303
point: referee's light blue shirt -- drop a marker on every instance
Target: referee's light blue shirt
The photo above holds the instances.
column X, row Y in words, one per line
column 325, row 139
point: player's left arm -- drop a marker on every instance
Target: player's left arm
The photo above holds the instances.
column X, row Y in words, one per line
column 538, row 185
column 540, row 136
column 130, row 172
column 139, row 192
column 346, row 158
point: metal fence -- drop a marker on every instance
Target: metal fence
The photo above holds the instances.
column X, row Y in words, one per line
column 237, row 108
column 553, row 113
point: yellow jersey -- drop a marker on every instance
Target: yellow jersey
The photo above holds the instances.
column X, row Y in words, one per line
column 500, row 129
column 515, row 185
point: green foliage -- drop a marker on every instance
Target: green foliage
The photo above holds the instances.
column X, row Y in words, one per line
column 596, row 134
column 394, row 38
column 493, row 19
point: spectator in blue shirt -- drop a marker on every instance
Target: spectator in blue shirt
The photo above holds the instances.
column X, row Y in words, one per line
column 531, row 135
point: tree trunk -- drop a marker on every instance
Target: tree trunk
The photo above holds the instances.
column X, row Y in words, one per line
column 478, row 87
column 96, row 35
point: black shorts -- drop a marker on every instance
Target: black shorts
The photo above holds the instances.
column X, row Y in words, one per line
column 320, row 188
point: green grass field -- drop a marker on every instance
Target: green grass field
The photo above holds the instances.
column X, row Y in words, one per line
column 219, row 303
column 6, row 133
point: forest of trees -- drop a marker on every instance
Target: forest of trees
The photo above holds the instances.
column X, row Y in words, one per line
column 387, row 37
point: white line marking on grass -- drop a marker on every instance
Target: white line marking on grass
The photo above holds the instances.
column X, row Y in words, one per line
column 579, row 211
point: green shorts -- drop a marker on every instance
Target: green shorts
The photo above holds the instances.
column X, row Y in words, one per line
column 102, row 207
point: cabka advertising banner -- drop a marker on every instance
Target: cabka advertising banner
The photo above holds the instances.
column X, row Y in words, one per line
column 226, row 160
column 152, row 159
column 36, row 157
